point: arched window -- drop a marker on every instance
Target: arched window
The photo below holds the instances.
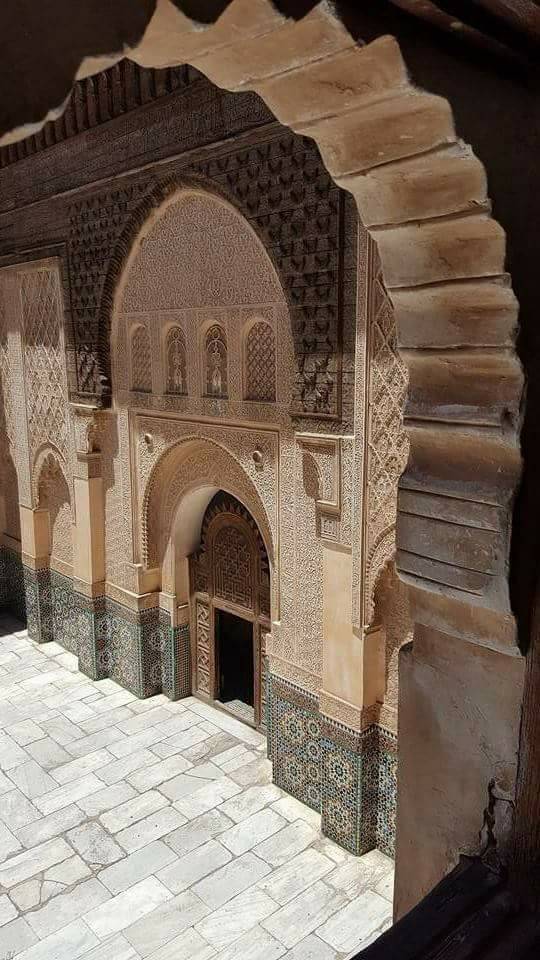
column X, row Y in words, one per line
column 216, row 362
column 141, row 360
column 175, row 362
column 10, row 490
column 260, row 363
column 54, row 496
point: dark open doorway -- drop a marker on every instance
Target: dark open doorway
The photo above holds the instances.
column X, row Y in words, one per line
column 234, row 639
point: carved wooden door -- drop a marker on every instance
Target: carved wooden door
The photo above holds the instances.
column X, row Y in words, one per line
column 230, row 573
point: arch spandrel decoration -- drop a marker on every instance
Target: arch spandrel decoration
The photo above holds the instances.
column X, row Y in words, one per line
column 198, row 276
column 185, row 465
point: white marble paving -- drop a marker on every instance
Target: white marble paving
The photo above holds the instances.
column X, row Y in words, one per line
column 137, row 829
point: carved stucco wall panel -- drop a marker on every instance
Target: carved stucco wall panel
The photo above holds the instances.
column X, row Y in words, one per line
column 328, row 514
column 7, row 427
column 432, row 174
column 34, row 373
column 175, row 266
column 237, row 445
column 362, row 134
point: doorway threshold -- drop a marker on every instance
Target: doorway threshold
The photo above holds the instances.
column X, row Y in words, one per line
column 241, row 710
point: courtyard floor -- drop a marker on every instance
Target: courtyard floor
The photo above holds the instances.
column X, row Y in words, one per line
column 144, row 828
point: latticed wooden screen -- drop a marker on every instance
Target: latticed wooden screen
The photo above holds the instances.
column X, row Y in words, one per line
column 260, row 363
column 141, row 360
column 233, row 565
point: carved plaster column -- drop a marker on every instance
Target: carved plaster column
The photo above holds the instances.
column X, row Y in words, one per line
column 89, row 545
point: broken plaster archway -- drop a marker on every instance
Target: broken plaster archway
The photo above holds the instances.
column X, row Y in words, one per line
column 422, row 194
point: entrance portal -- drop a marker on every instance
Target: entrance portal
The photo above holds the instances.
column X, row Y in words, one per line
column 236, row 669
column 230, row 610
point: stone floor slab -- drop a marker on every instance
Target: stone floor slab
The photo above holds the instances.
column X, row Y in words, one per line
column 226, row 925
column 189, row 945
column 51, row 826
column 154, row 931
column 68, row 793
column 132, row 810
column 227, row 865
column 138, row 866
column 151, row 828
column 304, row 914
column 283, row 846
column 16, row 937
column 25, row 732
column 357, row 922
column 231, row 879
column 106, row 799
column 245, row 835
column 117, row 948
column 32, row 780
column 196, row 832
column 67, row 907
column 288, row 881
column 27, row 864
column 94, row 844
column 16, row 811
column 255, row 944
column 210, row 795
column 9, row 843
column 117, row 914
column 186, row 871
column 48, row 753
column 7, row 910
column 70, row 943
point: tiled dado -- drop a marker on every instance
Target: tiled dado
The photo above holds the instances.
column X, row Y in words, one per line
column 349, row 777
column 12, row 592
column 137, row 648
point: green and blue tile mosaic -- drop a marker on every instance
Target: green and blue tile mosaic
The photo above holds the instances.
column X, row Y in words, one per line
column 137, row 648
column 12, row 592
column 349, row 777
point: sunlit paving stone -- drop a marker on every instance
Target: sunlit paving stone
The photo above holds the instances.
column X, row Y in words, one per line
column 121, row 858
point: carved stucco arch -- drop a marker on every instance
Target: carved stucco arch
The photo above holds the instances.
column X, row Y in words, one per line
column 187, row 465
column 146, row 215
column 47, row 453
column 422, row 194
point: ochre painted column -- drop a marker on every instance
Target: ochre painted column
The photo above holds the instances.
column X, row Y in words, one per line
column 352, row 690
column 89, row 548
column 89, row 555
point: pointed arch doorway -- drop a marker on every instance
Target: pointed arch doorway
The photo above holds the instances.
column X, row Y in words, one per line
column 230, row 610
